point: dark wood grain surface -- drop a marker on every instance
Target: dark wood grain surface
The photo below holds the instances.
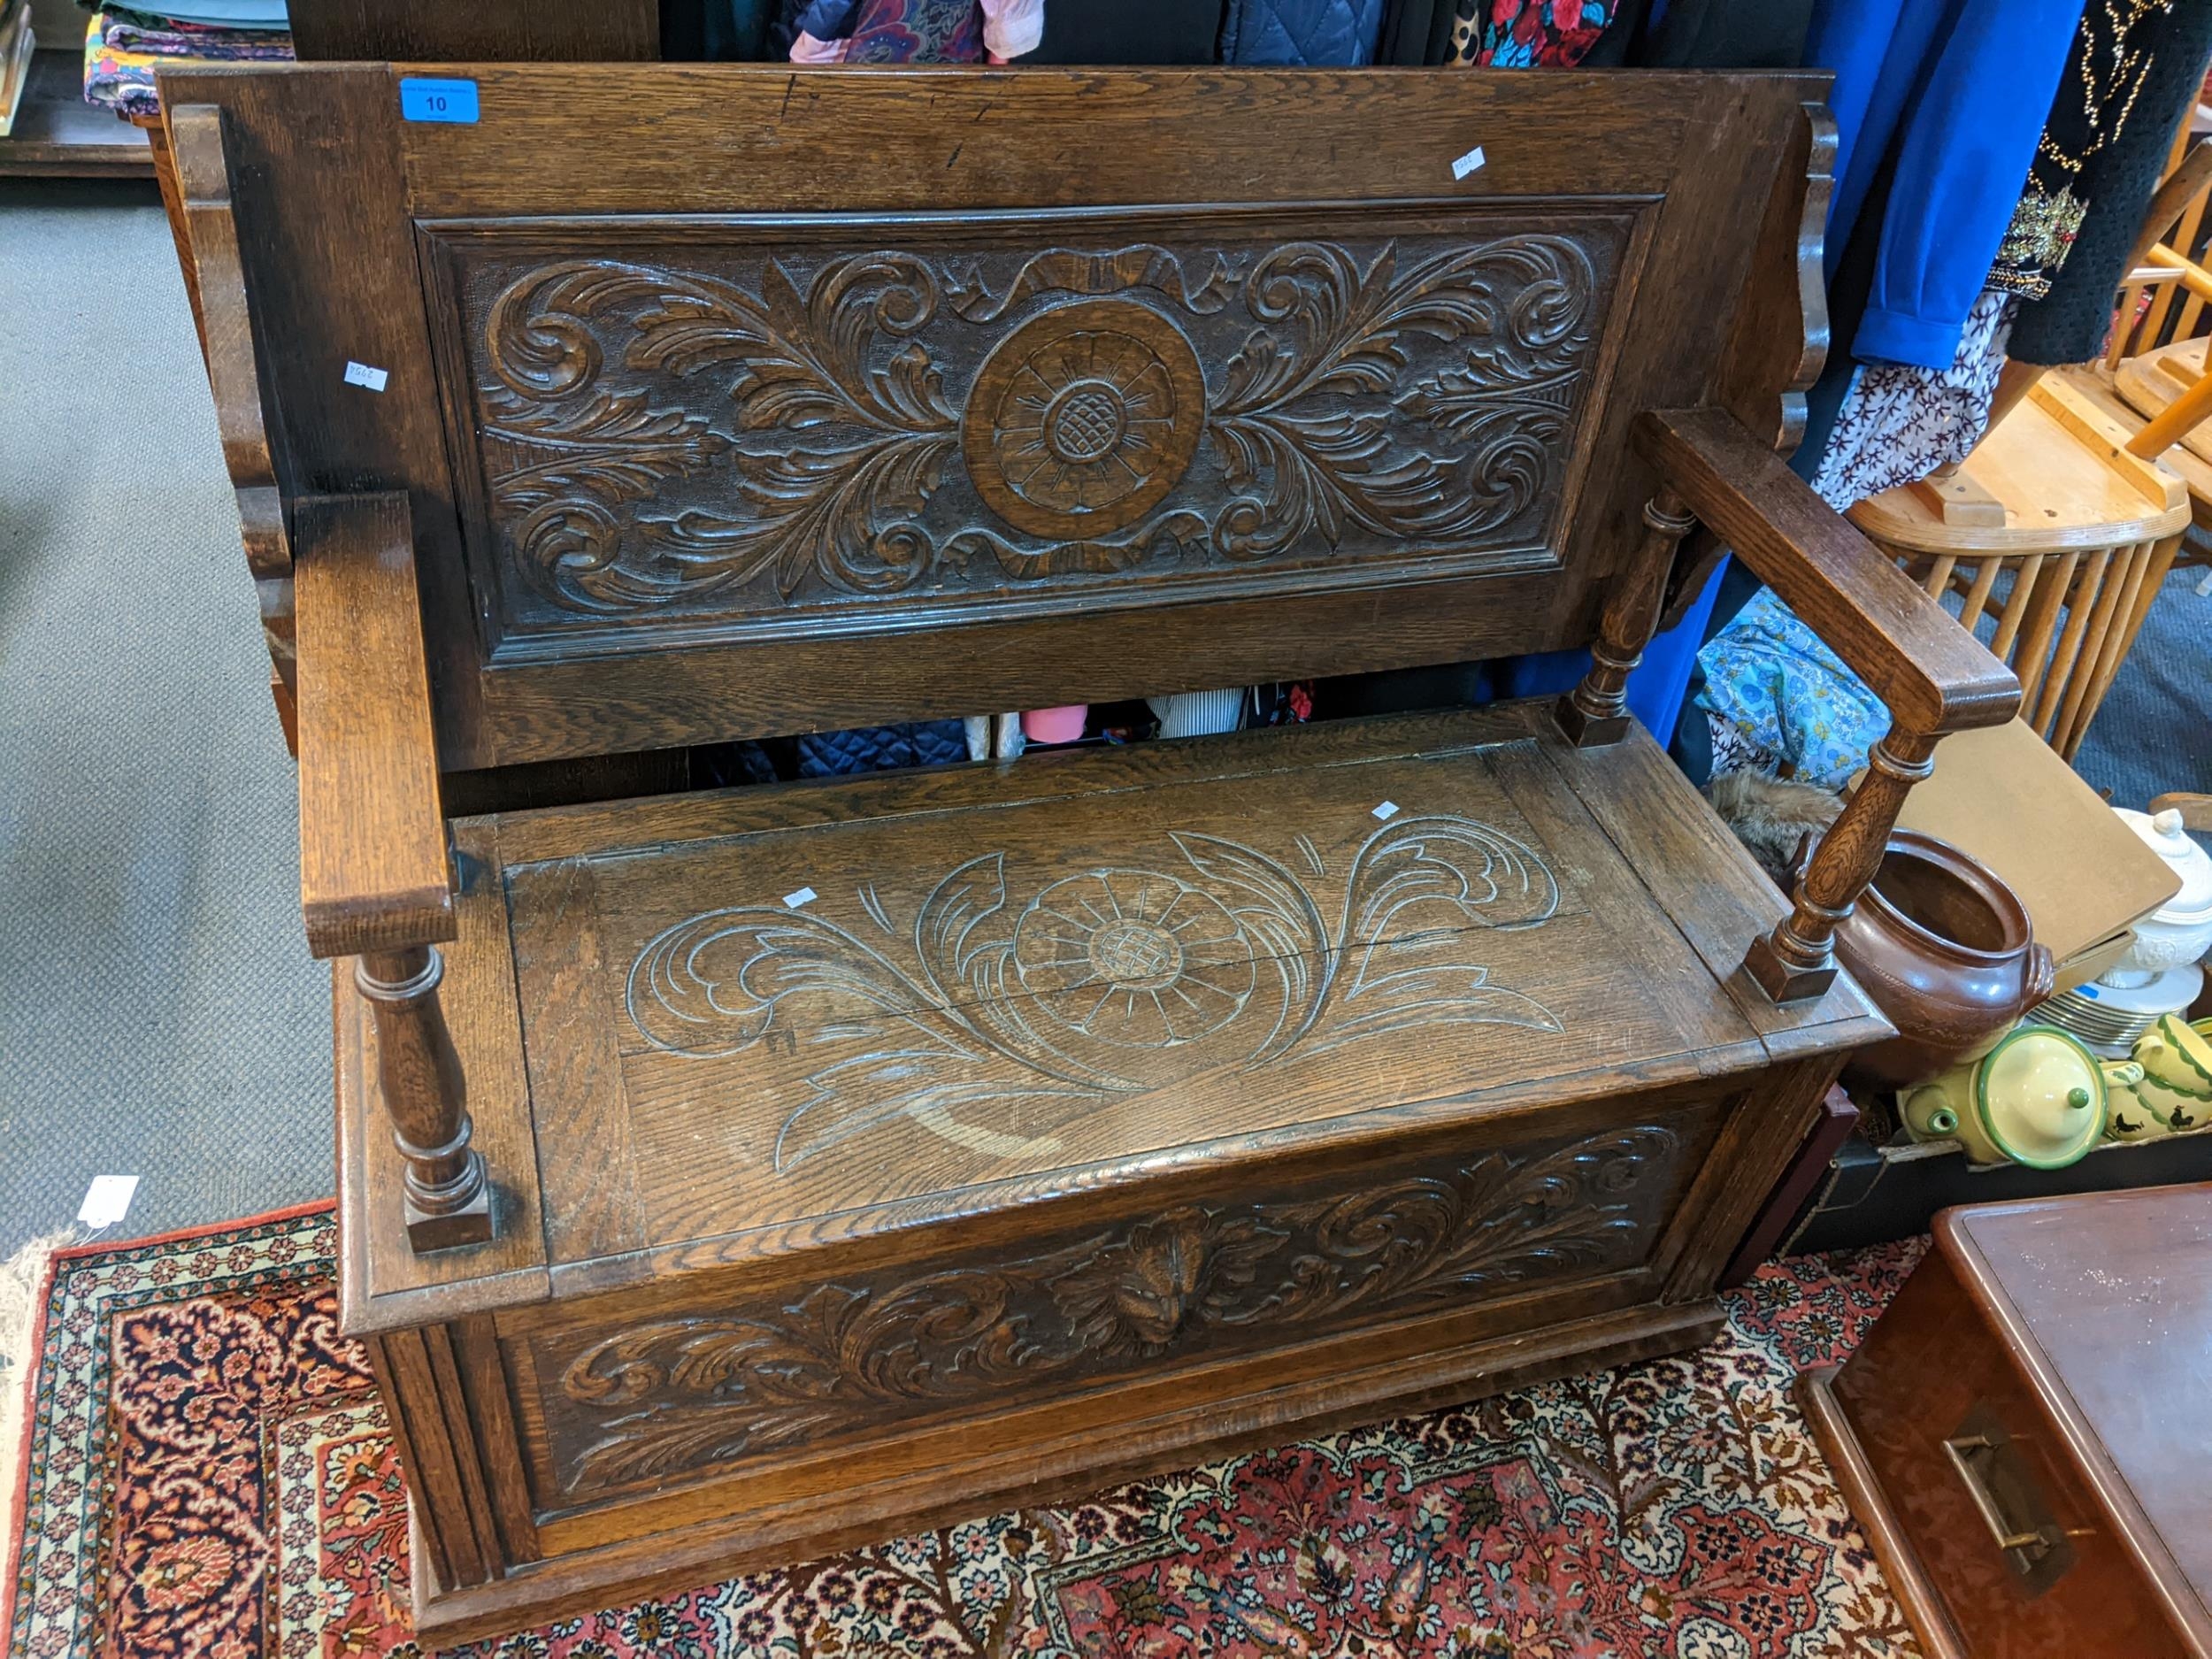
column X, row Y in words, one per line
column 201, row 165
column 2111, row 1296
column 336, row 286
column 1011, row 990
column 623, row 1404
column 382, row 1281
column 374, row 870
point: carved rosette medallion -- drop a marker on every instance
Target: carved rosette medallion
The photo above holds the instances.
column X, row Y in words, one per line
column 1133, row 958
column 1084, row 418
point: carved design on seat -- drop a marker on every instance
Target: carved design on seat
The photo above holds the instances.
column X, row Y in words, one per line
column 675, row 1395
column 1402, row 395
column 1238, row 966
column 1133, row 958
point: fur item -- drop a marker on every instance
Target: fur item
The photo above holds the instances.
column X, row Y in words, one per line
column 1772, row 817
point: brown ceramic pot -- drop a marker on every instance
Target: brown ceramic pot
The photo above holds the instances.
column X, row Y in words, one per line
column 1943, row 948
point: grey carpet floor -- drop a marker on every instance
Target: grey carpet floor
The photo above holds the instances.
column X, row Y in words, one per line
column 160, row 1015
column 2153, row 735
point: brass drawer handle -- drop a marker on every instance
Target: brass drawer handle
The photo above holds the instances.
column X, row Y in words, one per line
column 2032, row 1543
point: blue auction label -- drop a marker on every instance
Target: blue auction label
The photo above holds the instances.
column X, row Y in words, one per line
column 421, row 99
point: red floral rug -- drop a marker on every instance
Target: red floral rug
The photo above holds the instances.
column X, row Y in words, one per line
column 210, row 1477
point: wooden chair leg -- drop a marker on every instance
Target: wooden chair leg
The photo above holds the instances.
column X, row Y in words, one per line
column 446, row 1197
column 2176, row 422
column 2015, row 382
column 1797, row 960
column 1596, row 711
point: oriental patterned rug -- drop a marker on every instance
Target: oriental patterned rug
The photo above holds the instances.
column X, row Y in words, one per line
column 208, row 1477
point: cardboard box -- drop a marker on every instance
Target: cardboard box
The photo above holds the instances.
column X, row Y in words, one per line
column 2004, row 796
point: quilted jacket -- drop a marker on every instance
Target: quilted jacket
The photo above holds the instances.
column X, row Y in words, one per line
column 874, row 748
column 1312, row 34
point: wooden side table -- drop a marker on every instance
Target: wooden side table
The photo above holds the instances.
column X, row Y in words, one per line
column 2024, row 1435
column 2053, row 526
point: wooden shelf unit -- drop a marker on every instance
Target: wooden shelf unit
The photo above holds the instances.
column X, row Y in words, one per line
column 58, row 134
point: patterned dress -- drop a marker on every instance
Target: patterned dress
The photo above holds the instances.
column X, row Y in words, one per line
column 1527, row 34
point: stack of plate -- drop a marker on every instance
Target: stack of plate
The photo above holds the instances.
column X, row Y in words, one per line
column 2110, row 1018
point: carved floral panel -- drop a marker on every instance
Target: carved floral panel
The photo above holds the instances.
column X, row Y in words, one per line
column 1204, row 957
column 675, row 1395
column 749, row 429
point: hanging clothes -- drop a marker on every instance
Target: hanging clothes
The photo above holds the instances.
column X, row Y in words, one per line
column 717, row 31
column 880, row 748
column 2104, row 77
column 1704, row 35
column 1527, row 34
column 2112, row 56
column 1130, row 32
column 1781, row 696
column 2140, row 92
column 1307, row 34
column 916, row 31
column 1899, row 422
column 1415, row 32
column 1776, row 693
column 1950, row 97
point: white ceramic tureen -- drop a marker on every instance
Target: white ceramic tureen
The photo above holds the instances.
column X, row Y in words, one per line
column 2180, row 931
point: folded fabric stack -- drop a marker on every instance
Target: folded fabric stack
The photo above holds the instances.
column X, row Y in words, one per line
column 16, row 43
column 125, row 45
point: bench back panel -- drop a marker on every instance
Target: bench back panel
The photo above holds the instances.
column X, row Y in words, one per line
column 737, row 401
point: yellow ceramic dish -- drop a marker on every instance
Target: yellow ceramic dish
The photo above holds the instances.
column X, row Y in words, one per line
column 2177, row 1086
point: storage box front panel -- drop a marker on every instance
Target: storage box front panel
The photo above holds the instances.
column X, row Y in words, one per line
column 634, row 1405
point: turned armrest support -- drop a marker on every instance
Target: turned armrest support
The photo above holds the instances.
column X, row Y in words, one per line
column 375, row 875
column 375, row 880
column 1933, row 675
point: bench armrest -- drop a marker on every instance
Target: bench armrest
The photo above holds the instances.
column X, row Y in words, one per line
column 374, row 874
column 1932, row 674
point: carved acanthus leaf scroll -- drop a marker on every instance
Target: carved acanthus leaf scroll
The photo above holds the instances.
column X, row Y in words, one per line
column 679, row 1393
column 1227, row 956
column 652, row 435
column 1303, row 418
column 794, row 363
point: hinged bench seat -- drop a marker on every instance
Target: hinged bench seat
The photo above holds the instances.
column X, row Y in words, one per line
column 1329, row 1062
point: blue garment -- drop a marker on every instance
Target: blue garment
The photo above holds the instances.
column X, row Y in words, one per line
column 1311, row 34
column 1777, row 681
column 1955, row 93
column 877, row 748
column 1656, row 687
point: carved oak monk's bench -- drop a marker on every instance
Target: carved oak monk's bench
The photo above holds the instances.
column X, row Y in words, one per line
column 731, row 1175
